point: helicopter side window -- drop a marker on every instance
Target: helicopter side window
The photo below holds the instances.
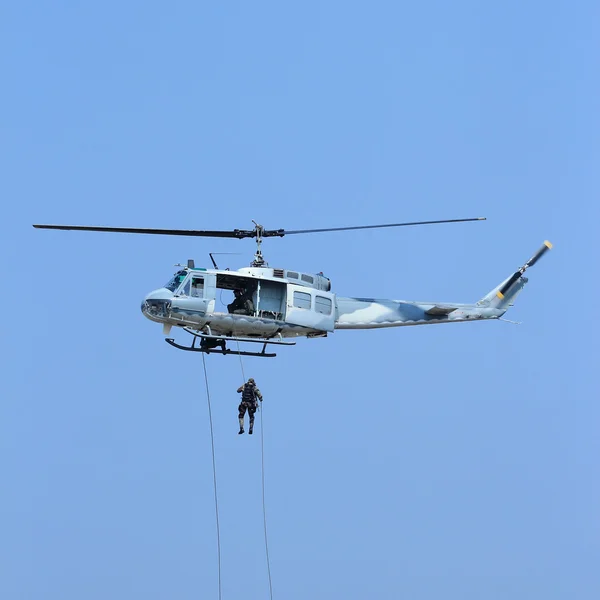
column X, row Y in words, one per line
column 302, row 300
column 292, row 275
column 308, row 278
column 197, row 287
column 176, row 280
column 323, row 305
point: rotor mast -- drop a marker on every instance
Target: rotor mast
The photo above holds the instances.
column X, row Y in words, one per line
column 259, row 260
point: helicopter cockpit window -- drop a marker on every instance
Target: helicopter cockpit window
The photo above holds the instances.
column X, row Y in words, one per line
column 197, row 287
column 176, row 280
column 185, row 290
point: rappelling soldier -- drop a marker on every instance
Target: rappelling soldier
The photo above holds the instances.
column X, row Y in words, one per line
column 250, row 394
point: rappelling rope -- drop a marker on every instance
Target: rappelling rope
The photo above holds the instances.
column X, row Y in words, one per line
column 262, row 477
column 241, row 362
column 212, row 443
column 262, row 469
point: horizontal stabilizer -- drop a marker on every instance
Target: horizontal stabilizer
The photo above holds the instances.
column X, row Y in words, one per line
column 440, row 310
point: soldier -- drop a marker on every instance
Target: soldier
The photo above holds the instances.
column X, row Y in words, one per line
column 249, row 393
column 242, row 303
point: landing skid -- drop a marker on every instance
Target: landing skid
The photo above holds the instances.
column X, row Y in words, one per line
column 222, row 350
column 209, row 336
column 214, row 344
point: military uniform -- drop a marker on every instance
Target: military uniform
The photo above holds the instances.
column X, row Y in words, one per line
column 242, row 304
column 249, row 403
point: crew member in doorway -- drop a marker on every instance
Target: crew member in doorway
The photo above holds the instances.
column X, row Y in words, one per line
column 242, row 303
column 249, row 403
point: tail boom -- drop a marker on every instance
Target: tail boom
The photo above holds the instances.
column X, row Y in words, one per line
column 371, row 313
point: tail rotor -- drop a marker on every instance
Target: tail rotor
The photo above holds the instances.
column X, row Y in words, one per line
column 517, row 274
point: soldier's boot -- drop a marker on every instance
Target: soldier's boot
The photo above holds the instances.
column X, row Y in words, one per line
column 241, row 426
column 251, row 427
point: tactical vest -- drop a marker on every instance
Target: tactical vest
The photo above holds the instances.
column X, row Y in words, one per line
column 248, row 394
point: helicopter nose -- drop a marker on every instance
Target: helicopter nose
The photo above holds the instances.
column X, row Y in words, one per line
column 157, row 304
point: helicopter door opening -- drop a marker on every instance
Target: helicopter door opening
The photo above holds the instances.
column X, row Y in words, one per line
column 310, row 308
column 250, row 296
column 236, row 295
column 190, row 297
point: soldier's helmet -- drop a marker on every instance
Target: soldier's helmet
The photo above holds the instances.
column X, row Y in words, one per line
column 251, row 380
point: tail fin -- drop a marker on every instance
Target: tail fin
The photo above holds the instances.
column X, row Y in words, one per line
column 503, row 295
column 494, row 299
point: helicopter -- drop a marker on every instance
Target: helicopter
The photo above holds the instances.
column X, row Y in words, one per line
column 272, row 306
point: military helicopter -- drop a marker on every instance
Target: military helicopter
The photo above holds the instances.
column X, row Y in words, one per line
column 271, row 306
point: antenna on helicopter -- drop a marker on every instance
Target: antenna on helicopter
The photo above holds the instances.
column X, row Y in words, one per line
column 212, row 254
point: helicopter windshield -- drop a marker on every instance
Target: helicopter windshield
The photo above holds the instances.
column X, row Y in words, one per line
column 176, row 280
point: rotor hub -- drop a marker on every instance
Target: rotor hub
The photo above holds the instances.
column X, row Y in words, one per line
column 259, row 259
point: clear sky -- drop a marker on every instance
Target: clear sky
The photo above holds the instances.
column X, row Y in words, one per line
column 427, row 462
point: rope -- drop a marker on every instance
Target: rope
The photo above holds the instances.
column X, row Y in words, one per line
column 241, row 361
column 212, row 443
column 262, row 477
column 262, row 469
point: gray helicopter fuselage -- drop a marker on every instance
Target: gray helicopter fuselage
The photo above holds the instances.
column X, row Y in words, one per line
column 277, row 302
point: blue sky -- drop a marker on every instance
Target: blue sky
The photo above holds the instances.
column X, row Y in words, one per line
column 416, row 462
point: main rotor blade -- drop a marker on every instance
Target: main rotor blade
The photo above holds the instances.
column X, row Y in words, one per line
column 286, row 232
column 240, row 233
column 236, row 233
